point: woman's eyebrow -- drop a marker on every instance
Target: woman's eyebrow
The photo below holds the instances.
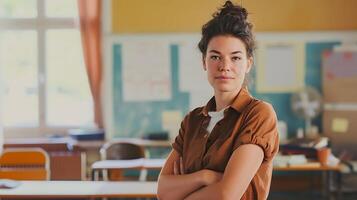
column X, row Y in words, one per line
column 235, row 52
column 217, row 52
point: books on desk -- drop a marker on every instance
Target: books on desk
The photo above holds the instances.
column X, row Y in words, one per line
column 307, row 165
column 86, row 134
column 289, row 160
column 304, row 146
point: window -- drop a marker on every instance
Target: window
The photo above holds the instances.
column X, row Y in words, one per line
column 46, row 87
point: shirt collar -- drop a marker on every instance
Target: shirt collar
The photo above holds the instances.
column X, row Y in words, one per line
column 239, row 103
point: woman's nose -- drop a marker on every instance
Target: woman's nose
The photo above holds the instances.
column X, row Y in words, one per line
column 224, row 65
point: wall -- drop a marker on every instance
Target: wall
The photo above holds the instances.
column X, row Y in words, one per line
column 125, row 118
column 1, row 126
column 275, row 15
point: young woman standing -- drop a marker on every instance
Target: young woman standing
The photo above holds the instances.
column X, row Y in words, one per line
column 224, row 150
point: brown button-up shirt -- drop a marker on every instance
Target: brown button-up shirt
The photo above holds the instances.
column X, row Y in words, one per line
column 246, row 121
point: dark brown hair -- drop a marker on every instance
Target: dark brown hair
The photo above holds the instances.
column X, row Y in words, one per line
column 229, row 20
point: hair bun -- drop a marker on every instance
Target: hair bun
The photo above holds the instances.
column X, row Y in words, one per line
column 230, row 19
column 229, row 9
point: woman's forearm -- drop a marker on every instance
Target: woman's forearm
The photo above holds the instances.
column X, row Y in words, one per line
column 214, row 191
column 179, row 186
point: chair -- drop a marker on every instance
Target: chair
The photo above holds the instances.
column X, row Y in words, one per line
column 121, row 151
column 68, row 161
column 25, row 164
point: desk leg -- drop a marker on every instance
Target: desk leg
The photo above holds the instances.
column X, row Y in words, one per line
column 339, row 185
column 95, row 175
column 324, row 185
column 330, row 179
column 334, row 179
column 143, row 175
column 105, row 174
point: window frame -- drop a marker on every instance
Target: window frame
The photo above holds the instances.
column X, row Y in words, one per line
column 40, row 25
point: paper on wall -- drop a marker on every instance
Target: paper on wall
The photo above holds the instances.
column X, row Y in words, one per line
column 193, row 77
column 171, row 120
column 339, row 125
column 280, row 67
column 146, row 71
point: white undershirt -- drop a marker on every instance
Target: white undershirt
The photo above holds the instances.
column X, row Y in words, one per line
column 215, row 117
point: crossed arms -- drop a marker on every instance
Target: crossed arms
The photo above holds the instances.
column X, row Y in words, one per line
column 207, row 184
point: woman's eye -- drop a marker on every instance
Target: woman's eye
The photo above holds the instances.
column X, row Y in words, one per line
column 236, row 58
column 215, row 57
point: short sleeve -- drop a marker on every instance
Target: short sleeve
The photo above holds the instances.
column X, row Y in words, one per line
column 178, row 143
column 260, row 128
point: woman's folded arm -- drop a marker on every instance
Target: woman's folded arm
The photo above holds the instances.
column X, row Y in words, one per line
column 240, row 170
column 174, row 184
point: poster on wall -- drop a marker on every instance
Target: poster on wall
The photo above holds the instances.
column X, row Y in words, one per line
column 280, row 67
column 193, row 78
column 146, row 71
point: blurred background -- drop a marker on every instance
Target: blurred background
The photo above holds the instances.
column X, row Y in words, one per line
column 75, row 75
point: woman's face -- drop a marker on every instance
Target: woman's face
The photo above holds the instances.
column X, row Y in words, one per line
column 226, row 63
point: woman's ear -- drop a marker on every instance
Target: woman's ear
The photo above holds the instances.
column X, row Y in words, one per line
column 250, row 62
column 204, row 63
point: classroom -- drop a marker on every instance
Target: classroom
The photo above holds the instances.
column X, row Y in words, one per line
column 96, row 95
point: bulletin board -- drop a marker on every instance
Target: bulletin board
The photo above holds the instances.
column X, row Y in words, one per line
column 339, row 78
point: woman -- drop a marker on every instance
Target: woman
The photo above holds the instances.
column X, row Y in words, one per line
column 224, row 150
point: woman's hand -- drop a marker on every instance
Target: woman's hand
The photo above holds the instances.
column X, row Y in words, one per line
column 210, row 176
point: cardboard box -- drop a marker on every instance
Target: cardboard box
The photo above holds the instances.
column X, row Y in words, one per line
column 341, row 127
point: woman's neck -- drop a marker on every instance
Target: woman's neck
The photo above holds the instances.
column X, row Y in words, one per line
column 224, row 99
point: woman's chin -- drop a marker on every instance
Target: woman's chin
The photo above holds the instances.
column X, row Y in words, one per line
column 226, row 89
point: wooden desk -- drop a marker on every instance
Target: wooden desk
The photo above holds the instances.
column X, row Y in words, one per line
column 76, row 152
column 66, row 163
column 72, row 143
column 327, row 172
column 141, row 163
column 98, row 144
column 311, row 166
column 81, row 189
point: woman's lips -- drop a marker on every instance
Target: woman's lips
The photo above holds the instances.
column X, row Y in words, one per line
column 223, row 77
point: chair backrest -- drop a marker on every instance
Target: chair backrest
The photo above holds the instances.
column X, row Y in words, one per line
column 25, row 164
column 121, row 151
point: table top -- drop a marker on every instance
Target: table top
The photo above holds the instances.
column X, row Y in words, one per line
column 81, row 189
column 310, row 166
column 140, row 163
column 87, row 144
column 143, row 163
